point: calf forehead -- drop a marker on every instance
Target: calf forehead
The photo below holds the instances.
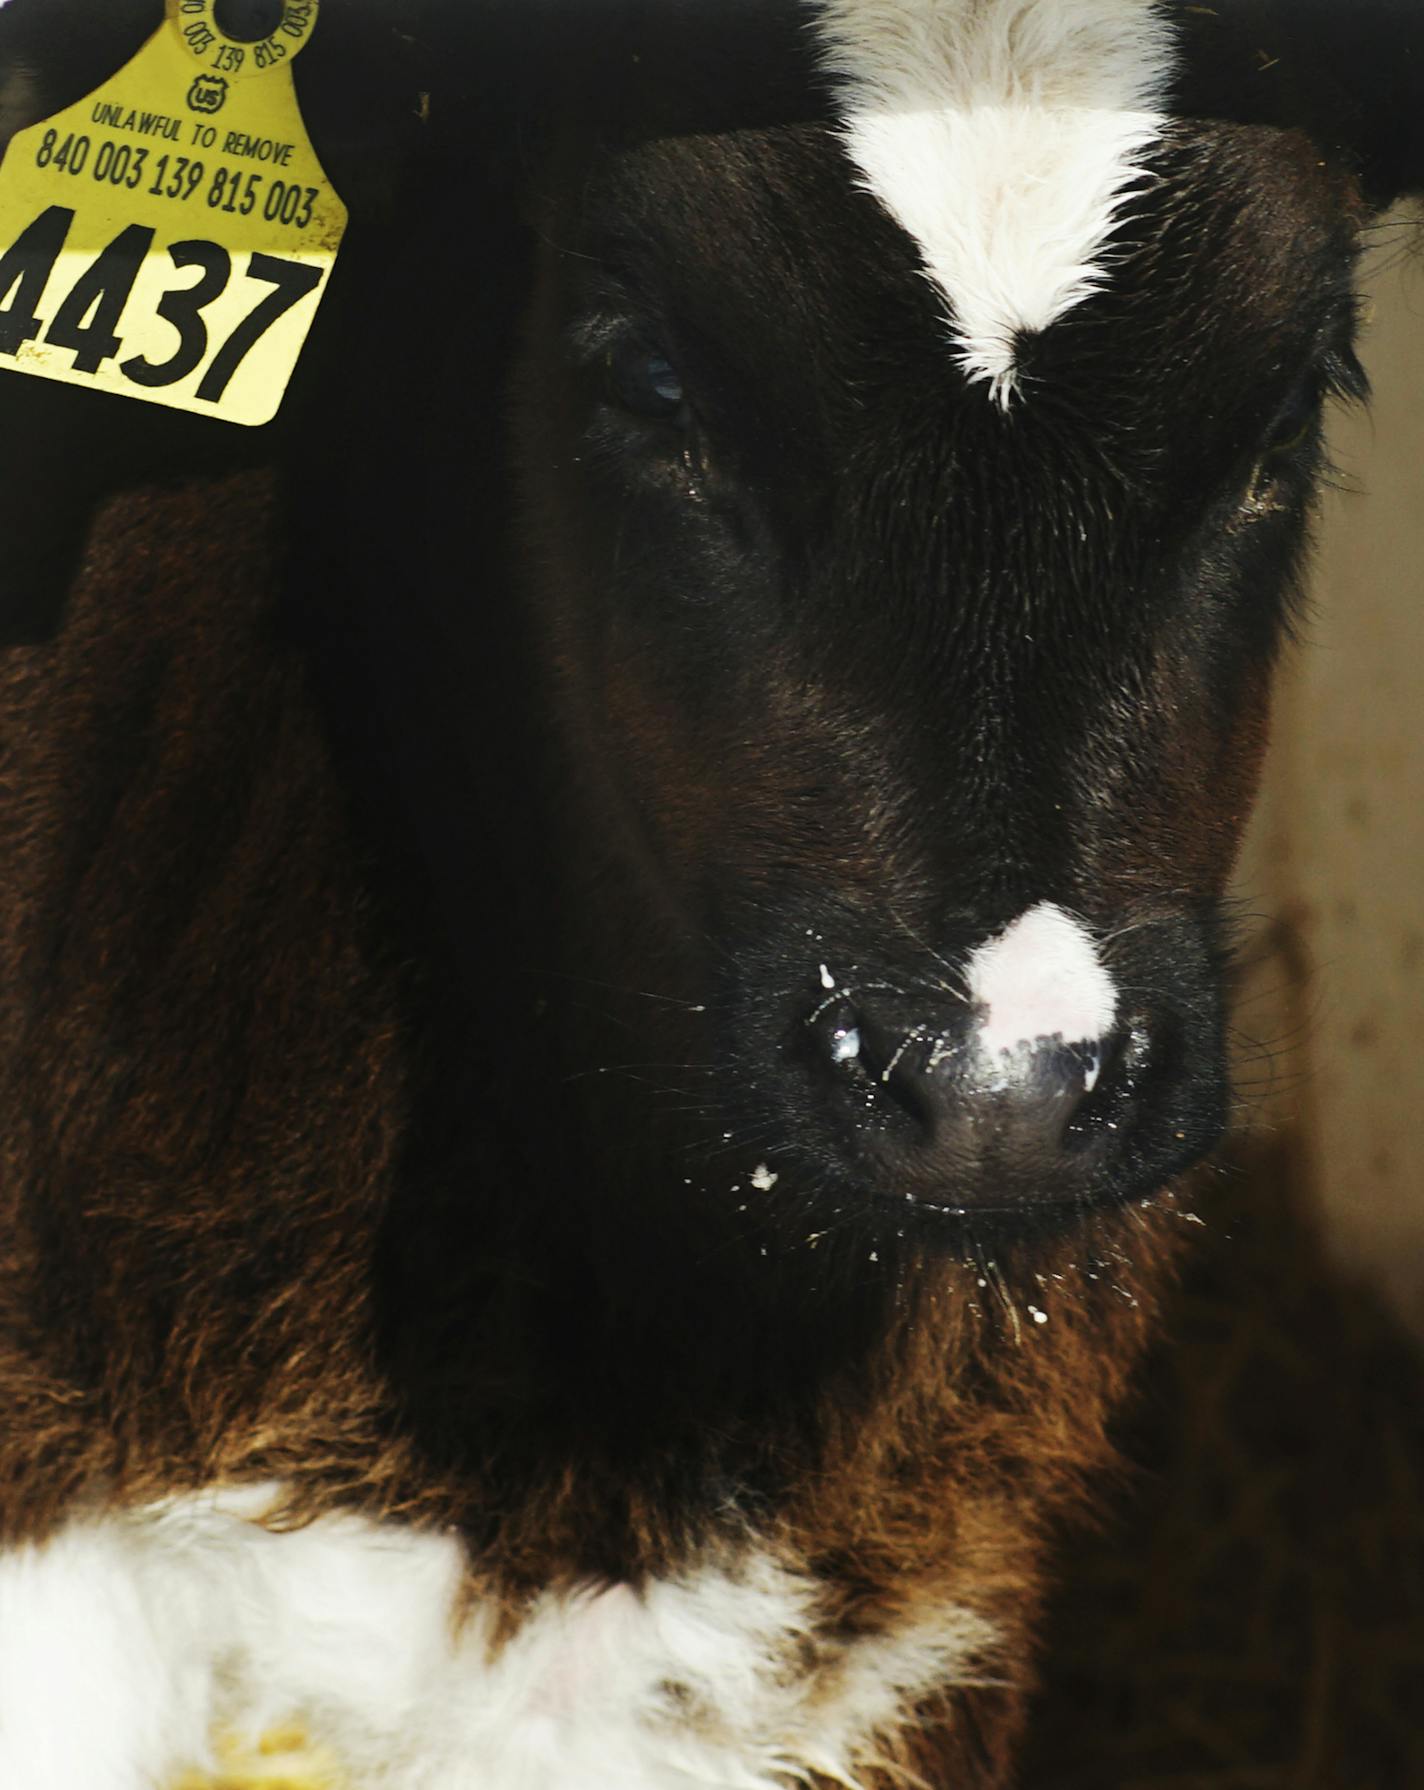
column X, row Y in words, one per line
column 985, row 587
column 762, row 253
column 1044, row 109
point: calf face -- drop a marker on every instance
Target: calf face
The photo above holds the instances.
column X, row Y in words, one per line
column 915, row 730
column 902, row 690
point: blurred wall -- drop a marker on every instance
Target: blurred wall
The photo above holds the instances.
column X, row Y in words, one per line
column 1332, row 1015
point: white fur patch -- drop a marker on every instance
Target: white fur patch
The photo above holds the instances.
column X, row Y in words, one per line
column 125, row 1642
column 1042, row 978
column 1003, row 136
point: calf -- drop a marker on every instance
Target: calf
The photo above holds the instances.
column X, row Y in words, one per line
column 589, row 1231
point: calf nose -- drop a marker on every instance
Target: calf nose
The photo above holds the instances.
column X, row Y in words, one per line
column 922, row 1084
column 1003, row 1095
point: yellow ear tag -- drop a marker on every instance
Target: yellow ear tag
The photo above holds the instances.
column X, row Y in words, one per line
column 169, row 237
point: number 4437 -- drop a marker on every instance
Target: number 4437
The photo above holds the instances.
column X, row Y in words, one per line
column 87, row 319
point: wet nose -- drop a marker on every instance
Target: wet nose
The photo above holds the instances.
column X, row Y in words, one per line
column 916, row 1081
column 1009, row 1092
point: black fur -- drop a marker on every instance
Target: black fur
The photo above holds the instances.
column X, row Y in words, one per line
column 420, row 843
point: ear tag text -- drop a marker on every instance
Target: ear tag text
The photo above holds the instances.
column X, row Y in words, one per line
column 169, row 236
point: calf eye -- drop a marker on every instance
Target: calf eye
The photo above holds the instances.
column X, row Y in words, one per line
column 1296, row 418
column 1292, row 427
column 646, row 382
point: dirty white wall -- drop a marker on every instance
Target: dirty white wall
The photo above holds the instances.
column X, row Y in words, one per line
column 1333, row 875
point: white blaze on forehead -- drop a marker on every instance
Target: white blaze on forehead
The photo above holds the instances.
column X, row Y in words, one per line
column 1003, row 136
column 1042, row 978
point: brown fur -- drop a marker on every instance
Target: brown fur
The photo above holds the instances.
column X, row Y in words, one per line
column 205, row 1085
column 226, row 1257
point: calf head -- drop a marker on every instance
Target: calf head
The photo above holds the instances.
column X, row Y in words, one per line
column 916, row 509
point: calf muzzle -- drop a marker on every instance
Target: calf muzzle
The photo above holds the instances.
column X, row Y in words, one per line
column 916, row 1106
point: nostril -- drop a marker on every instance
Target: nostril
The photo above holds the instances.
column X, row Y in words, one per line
column 908, row 1079
column 837, row 1032
column 1122, row 1062
column 889, row 1067
column 913, row 1093
column 887, row 1063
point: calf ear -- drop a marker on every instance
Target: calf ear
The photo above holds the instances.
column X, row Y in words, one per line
column 1351, row 72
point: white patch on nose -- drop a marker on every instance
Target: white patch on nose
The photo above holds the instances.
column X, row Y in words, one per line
column 1042, row 978
column 1003, row 136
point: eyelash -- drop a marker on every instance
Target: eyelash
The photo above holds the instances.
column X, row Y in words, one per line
column 1337, row 374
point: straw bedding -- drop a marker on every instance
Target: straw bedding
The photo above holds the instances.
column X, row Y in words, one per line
column 1252, row 1618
